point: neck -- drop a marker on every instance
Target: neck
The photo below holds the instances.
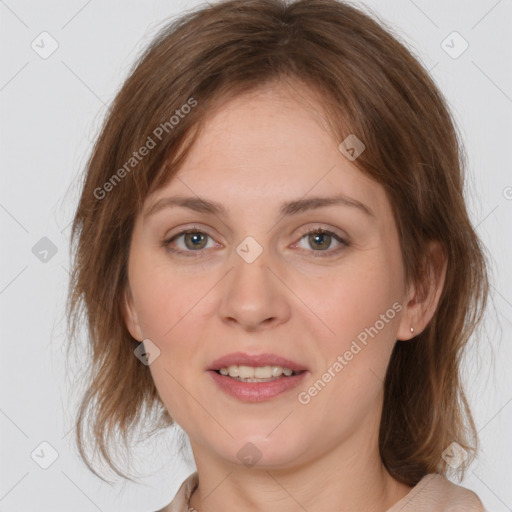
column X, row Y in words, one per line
column 350, row 477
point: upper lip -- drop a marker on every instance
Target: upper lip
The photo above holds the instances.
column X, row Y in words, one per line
column 240, row 358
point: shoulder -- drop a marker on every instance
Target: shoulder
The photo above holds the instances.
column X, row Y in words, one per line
column 435, row 493
column 182, row 496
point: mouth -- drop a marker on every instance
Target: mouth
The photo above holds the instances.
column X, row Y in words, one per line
column 268, row 373
column 241, row 359
column 255, row 378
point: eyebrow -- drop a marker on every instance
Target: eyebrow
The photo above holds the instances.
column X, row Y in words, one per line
column 294, row 207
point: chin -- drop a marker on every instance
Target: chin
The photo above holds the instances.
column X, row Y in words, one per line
column 265, row 451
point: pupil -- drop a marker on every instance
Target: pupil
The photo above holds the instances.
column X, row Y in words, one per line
column 196, row 237
column 320, row 236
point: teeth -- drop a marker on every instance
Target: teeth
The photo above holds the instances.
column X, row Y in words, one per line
column 244, row 372
column 259, row 372
column 277, row 371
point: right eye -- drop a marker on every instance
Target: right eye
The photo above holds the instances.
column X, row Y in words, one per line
column 193, row 241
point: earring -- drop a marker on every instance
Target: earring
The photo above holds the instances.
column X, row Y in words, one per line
column 412, row 329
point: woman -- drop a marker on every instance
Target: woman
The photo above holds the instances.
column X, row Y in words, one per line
column 273, row 252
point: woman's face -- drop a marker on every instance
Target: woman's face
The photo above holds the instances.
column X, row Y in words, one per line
column 250, row 279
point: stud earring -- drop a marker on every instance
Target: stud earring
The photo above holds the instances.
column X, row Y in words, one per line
column 412, row 329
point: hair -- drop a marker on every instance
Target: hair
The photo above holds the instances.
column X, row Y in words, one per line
column 368, row 84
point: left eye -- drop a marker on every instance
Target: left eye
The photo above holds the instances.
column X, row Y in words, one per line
column 195, row 240
column 322, row 239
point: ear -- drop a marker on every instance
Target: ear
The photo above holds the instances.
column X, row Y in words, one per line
column 130, row 316
column 423, row 296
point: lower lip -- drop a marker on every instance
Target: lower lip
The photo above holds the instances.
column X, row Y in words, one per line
column 256, row 391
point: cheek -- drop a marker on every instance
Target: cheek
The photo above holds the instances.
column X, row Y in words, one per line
column 163, row 296
column 169, row 306
column 361, row 308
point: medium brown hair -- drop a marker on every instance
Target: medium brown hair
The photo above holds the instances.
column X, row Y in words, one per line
column 370, row 85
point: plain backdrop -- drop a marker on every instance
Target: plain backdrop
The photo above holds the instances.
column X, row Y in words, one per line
column 51, row 109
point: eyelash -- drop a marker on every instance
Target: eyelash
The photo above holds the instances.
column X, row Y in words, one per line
column 328, row 253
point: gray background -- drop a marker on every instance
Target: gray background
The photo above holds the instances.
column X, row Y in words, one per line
column 51, row 110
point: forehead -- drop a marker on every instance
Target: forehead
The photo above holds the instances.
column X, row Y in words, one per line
column 266, row 146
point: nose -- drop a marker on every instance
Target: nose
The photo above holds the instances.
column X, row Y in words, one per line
column 254, row 297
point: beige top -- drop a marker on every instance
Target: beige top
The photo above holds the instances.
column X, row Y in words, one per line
column 433, row 493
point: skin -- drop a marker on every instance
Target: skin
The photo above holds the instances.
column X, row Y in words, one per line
column 257, row 151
